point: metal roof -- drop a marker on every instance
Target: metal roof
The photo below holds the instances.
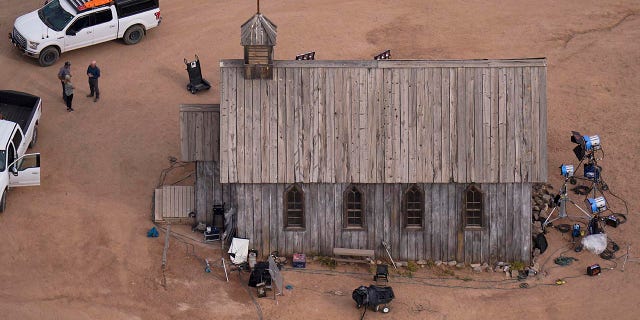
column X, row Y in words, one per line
column 258, row 30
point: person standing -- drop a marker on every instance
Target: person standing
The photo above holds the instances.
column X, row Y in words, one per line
column 68, row 91
column 62, row 73
column 93, row 72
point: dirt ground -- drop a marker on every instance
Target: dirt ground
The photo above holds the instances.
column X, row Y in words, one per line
column 75, row 247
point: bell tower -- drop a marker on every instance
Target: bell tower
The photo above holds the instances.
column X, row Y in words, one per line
column 258, row 37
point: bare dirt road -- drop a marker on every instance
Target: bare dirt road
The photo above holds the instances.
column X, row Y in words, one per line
column 75, row 248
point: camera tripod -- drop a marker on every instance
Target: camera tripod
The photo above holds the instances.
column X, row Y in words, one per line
column 561, row 206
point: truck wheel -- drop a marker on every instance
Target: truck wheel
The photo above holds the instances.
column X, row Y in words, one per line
column 3, row 202
column 48, row 56
column 34, row 138
column 133, row 35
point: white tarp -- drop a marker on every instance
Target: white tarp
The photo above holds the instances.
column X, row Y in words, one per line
column 239, row 250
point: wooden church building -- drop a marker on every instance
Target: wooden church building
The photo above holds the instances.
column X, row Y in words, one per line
column 437, row 158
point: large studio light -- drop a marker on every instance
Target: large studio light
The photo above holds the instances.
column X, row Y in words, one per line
column 592, row 143
column 597, row 205
column 567, row 170
column 307, row 56
column 385, row 55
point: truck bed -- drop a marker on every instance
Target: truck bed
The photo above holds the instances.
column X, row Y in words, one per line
column 18, row 107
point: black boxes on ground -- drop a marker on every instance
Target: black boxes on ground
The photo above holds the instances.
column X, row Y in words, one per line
column 593, row 270
column 260, row 274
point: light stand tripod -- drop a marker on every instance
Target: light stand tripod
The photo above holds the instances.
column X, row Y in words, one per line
column 561, row 206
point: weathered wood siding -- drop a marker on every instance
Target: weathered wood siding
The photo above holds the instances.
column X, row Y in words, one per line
column 200, row 132
column 209, row 191
column 173, row 203
column 480, row 121
column 505, row 236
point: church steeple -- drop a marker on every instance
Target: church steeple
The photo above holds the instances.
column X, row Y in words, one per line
column 258, row 37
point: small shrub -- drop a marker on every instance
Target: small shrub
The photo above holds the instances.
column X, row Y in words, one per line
column 412, row 266
column 517, row 265
column 449, row 272
column 328, row 261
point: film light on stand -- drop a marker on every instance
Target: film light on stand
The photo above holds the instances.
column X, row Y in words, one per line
column 567, row 170
column 385, row 55
column 597, row 205
column 592, row 142
column 592, row 172
column 307, row 56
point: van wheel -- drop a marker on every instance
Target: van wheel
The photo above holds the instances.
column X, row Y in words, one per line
column 48, row 56
column 34, row 138
column 134, row 34
column 3, row 202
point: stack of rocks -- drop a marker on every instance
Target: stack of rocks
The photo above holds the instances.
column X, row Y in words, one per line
column 542, row 198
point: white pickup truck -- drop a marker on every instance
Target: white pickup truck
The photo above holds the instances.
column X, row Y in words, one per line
column 63, row 25
column 19, row 117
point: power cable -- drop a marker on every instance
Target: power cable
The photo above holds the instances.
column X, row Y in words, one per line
column 255, row 302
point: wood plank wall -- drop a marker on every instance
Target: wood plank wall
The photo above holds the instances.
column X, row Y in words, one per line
column 200, row 132
column 173, row 203
column 209, row 191
column 385, row 122
column 506, row 235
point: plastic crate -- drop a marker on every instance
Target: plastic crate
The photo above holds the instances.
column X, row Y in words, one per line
column 299, row 260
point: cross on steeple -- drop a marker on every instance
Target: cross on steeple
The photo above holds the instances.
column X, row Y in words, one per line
column 258, row 5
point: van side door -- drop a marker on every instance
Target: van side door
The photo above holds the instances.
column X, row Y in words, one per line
column 79, row 33
column 105, row 26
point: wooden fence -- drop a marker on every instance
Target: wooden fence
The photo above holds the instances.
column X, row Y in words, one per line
column 173, row 204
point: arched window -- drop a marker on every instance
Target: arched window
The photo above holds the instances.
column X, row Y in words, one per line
column 294, row 208
column 353, row 208
column 473, row 207
column 413, row 207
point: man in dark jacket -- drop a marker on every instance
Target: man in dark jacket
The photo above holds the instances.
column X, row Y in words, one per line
column 64, row 71
column 93, row 72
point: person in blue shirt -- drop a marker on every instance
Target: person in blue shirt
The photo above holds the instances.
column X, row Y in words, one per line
column 93, row 72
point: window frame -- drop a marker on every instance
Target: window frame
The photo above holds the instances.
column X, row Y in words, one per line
column 96, row 16
column 465, row 205
column 285, row 199
column 129, row 8
column 72, row 26
column 345, row 214
column 405, row 207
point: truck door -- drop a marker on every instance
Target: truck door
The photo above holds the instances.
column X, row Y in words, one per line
column 105, row 27
column 25, row 171
column 80, row 33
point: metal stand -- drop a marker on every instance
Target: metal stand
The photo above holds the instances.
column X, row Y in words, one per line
column 386, row 247
column 628, row 258
column 561, row 207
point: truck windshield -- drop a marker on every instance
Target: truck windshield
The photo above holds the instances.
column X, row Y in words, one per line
column 3, row 157
column 54, row 16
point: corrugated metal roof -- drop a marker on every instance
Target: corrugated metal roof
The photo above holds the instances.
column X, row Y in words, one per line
column 258, row 30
